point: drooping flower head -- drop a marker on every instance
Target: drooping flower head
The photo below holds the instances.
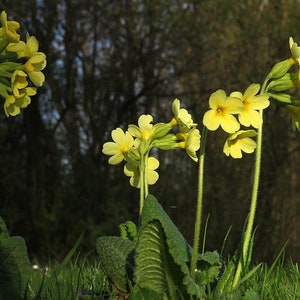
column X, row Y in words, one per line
column 238, row 142
column 21, row 67
column 222, row 109
column 252, row 104
column 122, row 144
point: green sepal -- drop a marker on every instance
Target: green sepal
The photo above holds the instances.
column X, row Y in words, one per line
column 286, row 82
column 280, row 69
column 282, row 99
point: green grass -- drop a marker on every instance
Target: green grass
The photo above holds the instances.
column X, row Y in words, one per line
column 83, row 279
column 279, row 281
column 80, row 279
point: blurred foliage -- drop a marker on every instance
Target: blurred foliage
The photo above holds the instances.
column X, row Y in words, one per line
column 108, row 62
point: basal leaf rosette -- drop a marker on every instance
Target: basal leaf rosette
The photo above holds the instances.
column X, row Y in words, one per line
column 21, row 66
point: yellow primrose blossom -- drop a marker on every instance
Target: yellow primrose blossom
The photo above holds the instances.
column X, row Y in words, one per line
column 28, row 49
column 122, row 144
column 132, row 170
column 252, row 103
column 8, row 31
column 18, row 82
column 33, row 67
column 145, row 130
column 238, row 142
column 221, row 112
column 190, row 142
column 295, row 50
column 13, row 104
column 181, row 116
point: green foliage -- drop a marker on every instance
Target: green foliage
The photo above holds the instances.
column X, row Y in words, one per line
column 116, row 259
column 14, row 265
column 128, row 230
column 161, row 258
column 208, row 268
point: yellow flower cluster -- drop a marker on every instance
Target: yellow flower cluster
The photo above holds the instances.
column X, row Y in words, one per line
column 21, row 66
column 134, row 145
column 223, row 112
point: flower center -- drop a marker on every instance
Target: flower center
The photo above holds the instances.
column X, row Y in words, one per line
column 220, row 110
column 124, row 148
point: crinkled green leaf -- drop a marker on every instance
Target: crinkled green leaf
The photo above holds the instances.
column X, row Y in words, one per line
column 162, row 254
column 14, row 265
column 116, row 257
column 208, row 268
column 128, row 230
column 155, row 267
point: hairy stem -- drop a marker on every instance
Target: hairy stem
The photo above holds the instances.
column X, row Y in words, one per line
column 199, row 204
column 253, row 204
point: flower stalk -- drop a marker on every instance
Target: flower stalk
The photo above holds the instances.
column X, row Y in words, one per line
column 253, row 205
column 197, row 228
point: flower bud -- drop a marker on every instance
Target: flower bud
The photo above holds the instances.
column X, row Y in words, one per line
column 168, row 142
column 281, row 68
column 283, row 99
column 287, row 81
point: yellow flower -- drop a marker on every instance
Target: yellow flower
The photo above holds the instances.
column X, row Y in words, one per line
column 13, row 104
column 28, row 49
column 238, row 142
column 33, row 67
column 190, row 142
column 252, row 103
column 8, row 31
column 18, row 82
column 122, row 144
column 295, row 50
column 181, row 116
column 221, row 112
column 132, row 170
column 145, row 130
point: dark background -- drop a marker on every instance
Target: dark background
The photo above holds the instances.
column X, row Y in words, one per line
column 110, row 61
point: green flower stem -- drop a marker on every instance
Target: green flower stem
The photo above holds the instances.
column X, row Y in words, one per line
column 253, row 204
column 146, row 186
column 199, row 204
column 249, row 228
column 143, row 180
column 142, row 183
